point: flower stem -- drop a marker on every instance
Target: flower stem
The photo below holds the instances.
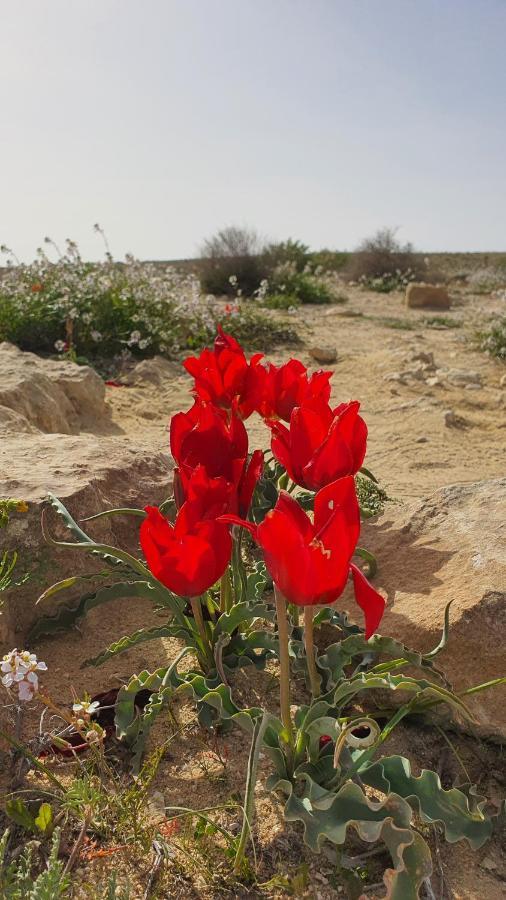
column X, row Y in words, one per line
column 284, row 663
column 196, row 605
column 314, row 678
column 225, row 592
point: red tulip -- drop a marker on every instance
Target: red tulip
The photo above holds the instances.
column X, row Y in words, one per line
column 224, row 376
column 310, row 562
column 288, row 386
column 320, row 444
column 190, row 556
column 206, row 436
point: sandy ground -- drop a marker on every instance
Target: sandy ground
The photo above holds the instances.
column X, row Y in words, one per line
column 412, row 451
column 410, row 448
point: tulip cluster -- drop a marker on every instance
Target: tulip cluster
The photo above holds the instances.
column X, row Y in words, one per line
column 321, row 448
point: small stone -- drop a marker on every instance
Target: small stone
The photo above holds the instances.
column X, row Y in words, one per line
column 434, row 381
column 421, row 440
column 394, row 376
column 461, row 377
column 488, row 863
column 450, row 419
column 324, row 355
column 473, row 387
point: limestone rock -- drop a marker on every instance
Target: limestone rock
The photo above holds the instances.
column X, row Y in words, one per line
column 54, row 396
column 450, row 546
column 323, row 355
column 427, row 296
column 156, row 371
column 88, row 474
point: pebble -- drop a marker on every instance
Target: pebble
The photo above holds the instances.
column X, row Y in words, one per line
column 450, row 419
column 421, row 440
column 473, row 387
column 459, row 377
column 324, row 355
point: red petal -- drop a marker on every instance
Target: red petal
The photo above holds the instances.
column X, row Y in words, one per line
column 338, row 494
column 371, row 603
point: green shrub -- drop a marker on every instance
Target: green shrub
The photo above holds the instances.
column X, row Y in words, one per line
column 493, row 340
column 329, row 260
column 280, row 301
column 98, row 311
column 295, row 253
column 302, row 286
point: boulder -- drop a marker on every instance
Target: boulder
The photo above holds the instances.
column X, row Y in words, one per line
column 156, row 371
column 427, row 296
column 88, row 474
column 54, row 396
column 450, row 546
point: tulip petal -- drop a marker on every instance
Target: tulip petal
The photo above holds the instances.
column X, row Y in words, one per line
column 371, row 603
column 338, row 494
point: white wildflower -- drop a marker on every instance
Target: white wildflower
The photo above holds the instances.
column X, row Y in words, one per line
column 59, row 346
column 20, row 669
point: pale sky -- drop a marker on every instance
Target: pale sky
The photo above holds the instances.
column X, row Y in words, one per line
column 322, row 120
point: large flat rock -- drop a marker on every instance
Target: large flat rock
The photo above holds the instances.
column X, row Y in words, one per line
column 450, row 546
column 55, row 396
column 88, row 474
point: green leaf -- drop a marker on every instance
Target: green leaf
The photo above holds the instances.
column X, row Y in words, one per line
column 18, row 811
column 65, row 618
column 70, row 582
column 104, row 550
column 121, row 511
column 242, row 614
column 44, row 818
column 326, row 815
column 138, row 637
column 67, row 518
column 461, row 816
column 368, row 474
column 370, row 559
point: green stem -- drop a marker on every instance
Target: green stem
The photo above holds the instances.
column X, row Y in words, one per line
column 196, row 605
column 284, row 665
column 314, row 678
column 225, row 592
column 249, row 794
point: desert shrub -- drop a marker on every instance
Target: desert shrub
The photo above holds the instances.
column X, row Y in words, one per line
column 330, row 260
column 382, row 263
column 280, row 301
column 102, row 310
column 493, row 339
column 257, row 330
column 291, row 251
column 486, row 280
column 232, row 257
column 301, row 287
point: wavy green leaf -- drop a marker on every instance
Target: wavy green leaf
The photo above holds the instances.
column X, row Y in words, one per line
column 461, row 816
column 120, row 511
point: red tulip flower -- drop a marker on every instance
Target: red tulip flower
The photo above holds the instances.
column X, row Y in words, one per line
column 223, row 376
column 191, row 555
column 321, row 444
column 310, row 562
column 206, row 436
column 285, row 387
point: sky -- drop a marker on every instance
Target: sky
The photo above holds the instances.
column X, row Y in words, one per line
column 320, row 120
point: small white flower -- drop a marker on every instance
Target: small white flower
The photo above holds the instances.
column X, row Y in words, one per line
column 87, row 707
column 143, row 344
column 96, row 336
column 59, row 346
column 135, row 337
column 233, row 280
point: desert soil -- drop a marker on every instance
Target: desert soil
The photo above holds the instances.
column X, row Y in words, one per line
column 412, row 451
